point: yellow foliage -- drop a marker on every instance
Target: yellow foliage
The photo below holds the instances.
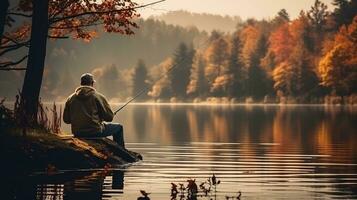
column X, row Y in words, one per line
column 338, row 67
column 282, row 77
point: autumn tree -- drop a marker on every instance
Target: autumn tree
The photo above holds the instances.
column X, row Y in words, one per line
column 338, row 67
column 161, row 89
column 62, row 19
column 281, row 43
column 198, row 86
column 283, row 76
column 295, row 74
column 217, row 57
column 226, row 74
column 139, row 79
column 249, row 37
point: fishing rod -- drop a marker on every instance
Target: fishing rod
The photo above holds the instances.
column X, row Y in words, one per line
column 160, row 77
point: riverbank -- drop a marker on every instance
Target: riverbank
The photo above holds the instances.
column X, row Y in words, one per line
column 38, row 151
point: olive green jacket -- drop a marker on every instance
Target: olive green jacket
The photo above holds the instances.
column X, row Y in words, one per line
column 85, row 110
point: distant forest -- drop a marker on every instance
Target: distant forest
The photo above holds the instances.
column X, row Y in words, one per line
column 203, row 21
column 309, row 59
column 283, row 60
column 66, row 59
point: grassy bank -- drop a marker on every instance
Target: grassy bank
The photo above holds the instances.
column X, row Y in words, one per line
column 38, row 151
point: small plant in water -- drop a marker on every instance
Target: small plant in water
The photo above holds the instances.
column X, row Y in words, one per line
column 145, row 195
column 207, row 189
column 235, row 197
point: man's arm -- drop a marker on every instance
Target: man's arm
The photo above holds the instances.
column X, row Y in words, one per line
column 66, row 113
column 105, row 112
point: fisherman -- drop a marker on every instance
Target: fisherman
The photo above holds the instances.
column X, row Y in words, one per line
column 89, row 113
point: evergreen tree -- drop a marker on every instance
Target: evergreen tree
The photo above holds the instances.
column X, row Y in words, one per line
column 318, row 15
column 236, row 68
column 198, row 86
column 304, row 80
column 344, row 12
column 180, row 74
column 257, row 79
column 139, row 80
column 283, row 14
column 281, row 18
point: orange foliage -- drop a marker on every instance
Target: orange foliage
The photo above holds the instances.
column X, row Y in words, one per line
column 337, row 68
column 281, row 43
column 249, row 36
column 77, row 18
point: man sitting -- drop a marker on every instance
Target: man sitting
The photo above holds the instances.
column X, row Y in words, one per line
column 88, row 113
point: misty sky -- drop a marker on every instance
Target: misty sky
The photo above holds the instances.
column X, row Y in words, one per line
column 243, row 8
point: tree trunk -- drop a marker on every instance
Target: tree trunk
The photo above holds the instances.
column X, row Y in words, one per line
column 4, row 4
column 36, row 60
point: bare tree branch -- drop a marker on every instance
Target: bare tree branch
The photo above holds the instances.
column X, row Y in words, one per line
column 12, row 39
column 11, row 49
column 19, row 14
column 75, row 27
column 58, row 37
column 55, row 20
column 12, row 69
column 26, row 44
column 6, row 65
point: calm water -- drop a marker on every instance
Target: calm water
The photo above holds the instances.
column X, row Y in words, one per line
column 266, row 152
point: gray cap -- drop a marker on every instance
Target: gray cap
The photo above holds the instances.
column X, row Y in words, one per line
column 87, row 79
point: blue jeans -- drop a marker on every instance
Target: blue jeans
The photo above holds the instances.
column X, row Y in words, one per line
column 115, row 130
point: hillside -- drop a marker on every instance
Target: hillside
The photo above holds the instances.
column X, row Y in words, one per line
column 203, row 21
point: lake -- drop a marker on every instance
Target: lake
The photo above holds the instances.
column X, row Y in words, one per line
column 266, row 152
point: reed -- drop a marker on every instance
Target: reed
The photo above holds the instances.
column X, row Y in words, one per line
column 47, row 119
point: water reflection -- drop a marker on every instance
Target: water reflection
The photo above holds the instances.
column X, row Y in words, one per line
column 293, row 127
column 301, row 152
column 93, row 185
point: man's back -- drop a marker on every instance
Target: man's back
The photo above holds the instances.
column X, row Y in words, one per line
column 86, row 110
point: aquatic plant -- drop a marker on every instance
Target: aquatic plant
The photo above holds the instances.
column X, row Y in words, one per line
column 235, row 197
column 145, row 195
column 206, row 189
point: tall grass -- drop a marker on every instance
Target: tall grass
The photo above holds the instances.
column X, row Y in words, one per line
column 48, row 119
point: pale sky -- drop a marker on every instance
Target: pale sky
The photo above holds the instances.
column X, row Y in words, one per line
column 244, row 8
